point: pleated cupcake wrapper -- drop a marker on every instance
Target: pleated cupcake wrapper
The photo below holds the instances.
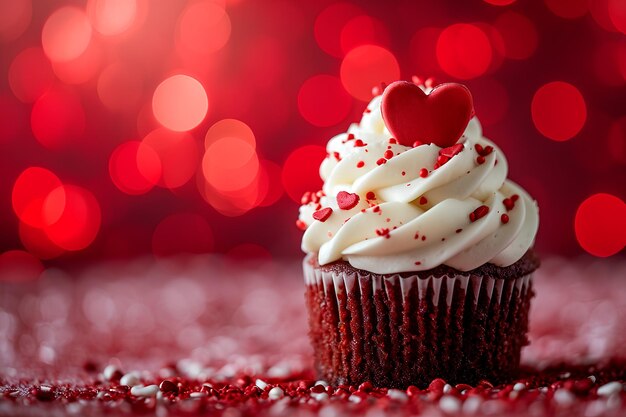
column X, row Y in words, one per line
column 397, row 331
column 495, row 289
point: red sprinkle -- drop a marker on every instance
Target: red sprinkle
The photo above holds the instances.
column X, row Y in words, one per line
column 417, row 235
column 359, row 143
column 459, row 230
column 360, row 164
column 323, row 214
column 416, row 143
column 376, row 209
column 383, row 232
column 393, row 140
column 370, row 195
column 350, row 136
column 479, row 213
column 509, row 203
column 381, row 161
column 388, row 154
column 300, row 224
column 403, row 173
column 504, row 218
column 452, row 150
column 515, row 197
column 423, row 200
column 423, row 237
column 480, row 160
column 346, row 201
column 337, row 156
column 418, row 263
column 479, row 148
column 423, row 172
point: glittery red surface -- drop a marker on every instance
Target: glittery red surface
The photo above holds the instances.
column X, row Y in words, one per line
column 215, row 337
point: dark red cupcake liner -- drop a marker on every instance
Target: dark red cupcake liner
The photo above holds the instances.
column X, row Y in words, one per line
column 396, row 331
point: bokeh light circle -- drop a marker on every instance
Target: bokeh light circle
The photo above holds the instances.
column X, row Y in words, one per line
column 178, row 233
column 568, row 9
column 180, row 103
column 57, row 118
column 363, row 30
column 518, row 33
column 15, row 16
column 322, row 100
column 120, row 87
column 38, row 243
column 230, row 128
column 135, row 168
column 30, row 75
column 617, row 140
column 203, row 28
column 230, row 164
column 178, row 154
column 600, row 224
column 301, row 171
column 66, row 34
column 365, row 67
column 79, row 223
column 423, row 51
column 83, row 68
column 30, row 190
column 558, row 110
column 112, row 17
column 329, row 25
column 464, row 51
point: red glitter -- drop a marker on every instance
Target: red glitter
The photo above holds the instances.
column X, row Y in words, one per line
column 423, row 200
column 388, row 154
column 381, row 161
column 346, row 201
column 360, row 164
column 504, row 218
column 423, row 172
column 370, row 195
column 323, row 214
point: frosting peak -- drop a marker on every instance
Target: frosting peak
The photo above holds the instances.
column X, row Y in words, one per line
column 386, row 207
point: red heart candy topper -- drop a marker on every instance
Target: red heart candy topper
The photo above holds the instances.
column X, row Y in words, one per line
column 414, row 116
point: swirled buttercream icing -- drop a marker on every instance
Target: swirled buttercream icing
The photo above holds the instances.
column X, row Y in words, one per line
column 387, row 208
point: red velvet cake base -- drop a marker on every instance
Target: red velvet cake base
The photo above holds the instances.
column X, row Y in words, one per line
column 463, row 328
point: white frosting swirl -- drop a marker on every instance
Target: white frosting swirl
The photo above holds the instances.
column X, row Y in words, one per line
column 417, row 223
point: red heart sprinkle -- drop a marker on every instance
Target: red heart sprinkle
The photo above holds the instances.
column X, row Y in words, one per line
column 346, row 201
column 439, row 117
column 323, row 214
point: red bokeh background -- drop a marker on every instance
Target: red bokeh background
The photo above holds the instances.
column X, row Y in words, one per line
column 132, row 127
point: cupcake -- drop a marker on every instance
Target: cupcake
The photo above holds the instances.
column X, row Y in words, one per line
column 419, row 249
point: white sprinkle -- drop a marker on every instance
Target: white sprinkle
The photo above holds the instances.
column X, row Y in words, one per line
column 261, row 384
column 565, row 375
column 198, row 395
column 450, row 404
column 592, row 378
column 396, row 394
column 355, row 398
column 610, row 388
column 100, row 395
column 472, row 404
column 519, row 386
column 276, row 393
column 543, row 390
column 322, row 383
column 109, row 371
column 447, row 388
column 15, row 394
column 45, row 388
column 319, row 396
column 147, row 391
column 131, row 379
column 564, row 397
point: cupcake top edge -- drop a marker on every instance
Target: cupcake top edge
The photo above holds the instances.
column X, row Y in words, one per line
column 415, row 185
